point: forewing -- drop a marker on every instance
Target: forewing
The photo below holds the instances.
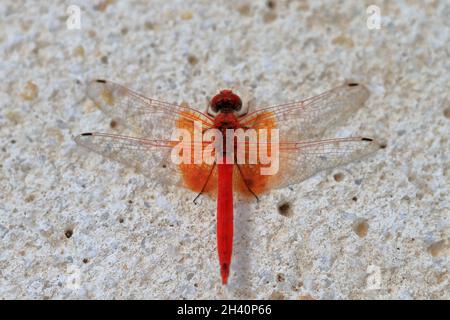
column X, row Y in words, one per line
column 149, row 157
column 148, row 117
column 309, row 118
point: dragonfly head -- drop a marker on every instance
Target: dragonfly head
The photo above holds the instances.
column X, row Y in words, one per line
column 226, row 101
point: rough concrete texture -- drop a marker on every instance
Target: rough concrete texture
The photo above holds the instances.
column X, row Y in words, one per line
column 74, row 225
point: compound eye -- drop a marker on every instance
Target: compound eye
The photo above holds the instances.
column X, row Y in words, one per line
column 214, row 108
column 226, row 101
column 238, row 106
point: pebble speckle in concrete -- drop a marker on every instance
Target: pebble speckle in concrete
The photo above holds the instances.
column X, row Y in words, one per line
column 74, row 225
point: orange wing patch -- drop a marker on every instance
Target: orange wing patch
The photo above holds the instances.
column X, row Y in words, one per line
column 248, row 176
column 196, row 177
column 248, row 179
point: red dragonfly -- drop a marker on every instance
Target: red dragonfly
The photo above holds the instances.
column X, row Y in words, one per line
column 300, row 154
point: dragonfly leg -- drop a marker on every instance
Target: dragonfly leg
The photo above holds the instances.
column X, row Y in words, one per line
column 205, row 184
column 246, row 184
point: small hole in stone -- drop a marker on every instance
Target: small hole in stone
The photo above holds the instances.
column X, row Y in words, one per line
column 13, row 141
column 85, row 260
column 405, row 198
column 338, row 177
column 383, row 146
column 113, row 124
column 355, row 199
column 447, row 113
column 361, row 227
column 276, row 296
column 244, row 9
column 284, row 208
column 68, row 233
column 29, row 198
column 280, row 277
column 130, row 201
column 269, row 17
column 192, row 59
column 271, row 4
column 104, row 59
column 121, row 220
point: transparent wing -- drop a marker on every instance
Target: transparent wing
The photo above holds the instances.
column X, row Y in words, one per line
column 149, row 157
column 309, row 118
column 300, row 160
column 304, row 159
column 148, row 117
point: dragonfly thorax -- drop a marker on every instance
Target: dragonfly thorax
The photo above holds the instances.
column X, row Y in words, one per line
column 226, row 120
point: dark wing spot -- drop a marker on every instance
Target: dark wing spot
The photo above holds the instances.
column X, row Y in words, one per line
column 353, row 84
column 366, row 139
column 100, row 81
column 86, row 134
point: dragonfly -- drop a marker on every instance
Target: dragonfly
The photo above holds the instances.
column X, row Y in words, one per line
column 301, row 150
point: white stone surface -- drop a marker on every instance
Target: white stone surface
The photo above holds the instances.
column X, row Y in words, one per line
column 165, row 245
